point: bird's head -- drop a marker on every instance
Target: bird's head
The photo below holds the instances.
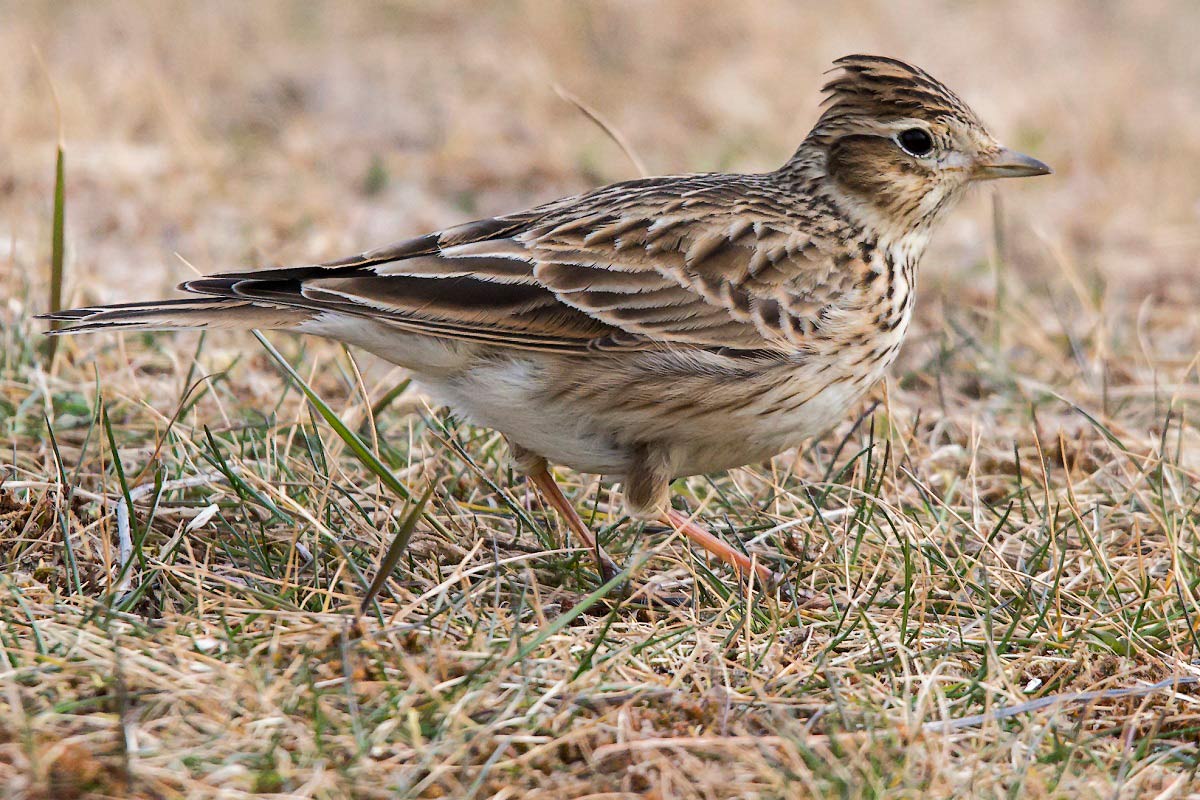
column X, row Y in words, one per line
column 899, row 146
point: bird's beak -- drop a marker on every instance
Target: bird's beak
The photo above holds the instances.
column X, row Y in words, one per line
column 1005, row 163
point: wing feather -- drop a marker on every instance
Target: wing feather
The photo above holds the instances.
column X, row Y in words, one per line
column 701, row 261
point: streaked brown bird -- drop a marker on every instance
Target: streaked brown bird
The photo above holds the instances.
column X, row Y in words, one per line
column 655, row 328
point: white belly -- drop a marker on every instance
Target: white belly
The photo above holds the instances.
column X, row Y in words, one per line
column 508, row 397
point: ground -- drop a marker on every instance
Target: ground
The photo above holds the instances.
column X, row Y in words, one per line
column 994, row 558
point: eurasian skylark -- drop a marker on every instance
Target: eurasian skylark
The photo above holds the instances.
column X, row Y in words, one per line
column 654, row 328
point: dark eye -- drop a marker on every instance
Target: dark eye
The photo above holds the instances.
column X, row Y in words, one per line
column 915, row 141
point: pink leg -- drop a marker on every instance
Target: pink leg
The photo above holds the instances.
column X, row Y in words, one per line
column 721, row 549
column 546, row 484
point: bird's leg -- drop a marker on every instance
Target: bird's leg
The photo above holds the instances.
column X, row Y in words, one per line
column 546, row 484
column 537, row 470
column 718, row 547
column 648, row 496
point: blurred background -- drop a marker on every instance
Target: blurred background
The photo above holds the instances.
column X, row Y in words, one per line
column 236, row 134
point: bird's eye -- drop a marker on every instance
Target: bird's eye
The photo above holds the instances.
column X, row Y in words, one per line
column 915, row 141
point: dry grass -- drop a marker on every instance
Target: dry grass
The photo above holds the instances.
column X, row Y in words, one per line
column 1015, row 520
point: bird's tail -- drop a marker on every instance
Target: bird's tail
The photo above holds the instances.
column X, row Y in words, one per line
column 162, row 315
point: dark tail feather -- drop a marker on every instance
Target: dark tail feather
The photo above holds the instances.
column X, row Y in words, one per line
column 214, row 312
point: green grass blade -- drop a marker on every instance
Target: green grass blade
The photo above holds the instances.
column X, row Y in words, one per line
column 57, row 249
column 371, row 462
column 583, row 605
column 385, row 401
column 74, row 585
column 396, row 548
column 352, row 440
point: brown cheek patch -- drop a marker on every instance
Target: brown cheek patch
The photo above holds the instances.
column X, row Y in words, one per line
column 874, row 169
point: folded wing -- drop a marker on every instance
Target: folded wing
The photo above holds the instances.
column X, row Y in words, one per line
column 688, row 261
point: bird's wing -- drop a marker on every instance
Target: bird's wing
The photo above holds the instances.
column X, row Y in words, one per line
column 702, row 261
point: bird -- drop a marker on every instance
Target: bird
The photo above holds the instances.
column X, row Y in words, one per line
column 655, row 328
